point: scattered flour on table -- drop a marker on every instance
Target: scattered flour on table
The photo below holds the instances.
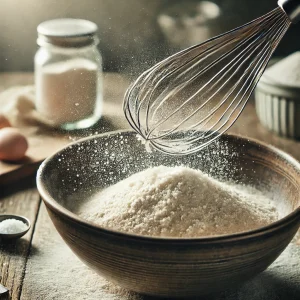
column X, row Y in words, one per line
column 53, row 272
column 178, row 202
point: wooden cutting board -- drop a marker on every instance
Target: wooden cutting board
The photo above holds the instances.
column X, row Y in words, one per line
column 43, row 142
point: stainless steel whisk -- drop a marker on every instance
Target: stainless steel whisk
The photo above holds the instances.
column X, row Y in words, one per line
column 188, row 100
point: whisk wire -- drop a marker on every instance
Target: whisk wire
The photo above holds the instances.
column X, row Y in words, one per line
column 235, row 85
column 242, row 102
column 188, row 100
column 154, row 69
column 259, row 67
column 224, row 71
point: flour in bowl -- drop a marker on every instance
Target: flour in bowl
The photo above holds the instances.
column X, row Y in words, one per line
column 178, row 202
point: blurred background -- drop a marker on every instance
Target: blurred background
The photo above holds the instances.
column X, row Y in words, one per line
column 133, row 34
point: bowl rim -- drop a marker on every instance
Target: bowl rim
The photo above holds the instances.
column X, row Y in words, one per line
column 51, row 203
column 278, row 90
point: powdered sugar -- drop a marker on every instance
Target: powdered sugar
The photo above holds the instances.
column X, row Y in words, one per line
column 178, row 202
column 67, row 91
column 290, row 67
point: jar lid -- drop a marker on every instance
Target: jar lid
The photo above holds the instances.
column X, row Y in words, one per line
column 67, row 33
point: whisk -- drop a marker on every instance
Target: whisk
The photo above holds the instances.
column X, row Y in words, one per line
column 185, row 102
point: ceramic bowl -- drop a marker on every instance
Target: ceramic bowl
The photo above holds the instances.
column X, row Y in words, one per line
column 14, row 236
column 170, row 267
column 278, row 107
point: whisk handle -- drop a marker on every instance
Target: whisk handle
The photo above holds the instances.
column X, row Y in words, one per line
column 291, row 8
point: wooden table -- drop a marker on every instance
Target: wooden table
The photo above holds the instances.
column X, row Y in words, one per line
column 30, row 269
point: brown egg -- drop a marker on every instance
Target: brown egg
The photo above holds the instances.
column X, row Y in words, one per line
column 4, row 122
column 13, row 145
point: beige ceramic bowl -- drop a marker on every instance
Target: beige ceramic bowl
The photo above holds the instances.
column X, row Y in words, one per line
column 170, row 267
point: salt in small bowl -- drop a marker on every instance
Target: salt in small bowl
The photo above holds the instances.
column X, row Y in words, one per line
column 17, row 235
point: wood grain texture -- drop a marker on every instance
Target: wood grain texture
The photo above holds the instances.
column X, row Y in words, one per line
column 55, row 273
column 22, row 199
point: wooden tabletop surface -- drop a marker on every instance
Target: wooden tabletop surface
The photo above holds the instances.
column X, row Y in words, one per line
column 28, row 272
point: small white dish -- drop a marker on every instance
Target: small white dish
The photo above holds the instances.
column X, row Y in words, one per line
column 277, row 97
column 18, row 234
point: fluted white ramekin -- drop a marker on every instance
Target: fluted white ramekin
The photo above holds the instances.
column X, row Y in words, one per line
column 278, row 107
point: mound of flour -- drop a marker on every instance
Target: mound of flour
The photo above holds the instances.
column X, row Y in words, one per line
column 178, row 202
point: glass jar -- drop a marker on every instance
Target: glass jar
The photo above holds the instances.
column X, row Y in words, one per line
column 68, row 74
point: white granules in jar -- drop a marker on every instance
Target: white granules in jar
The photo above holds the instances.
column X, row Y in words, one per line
column 178, row 202
column 12, row 226
column 68, row 90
